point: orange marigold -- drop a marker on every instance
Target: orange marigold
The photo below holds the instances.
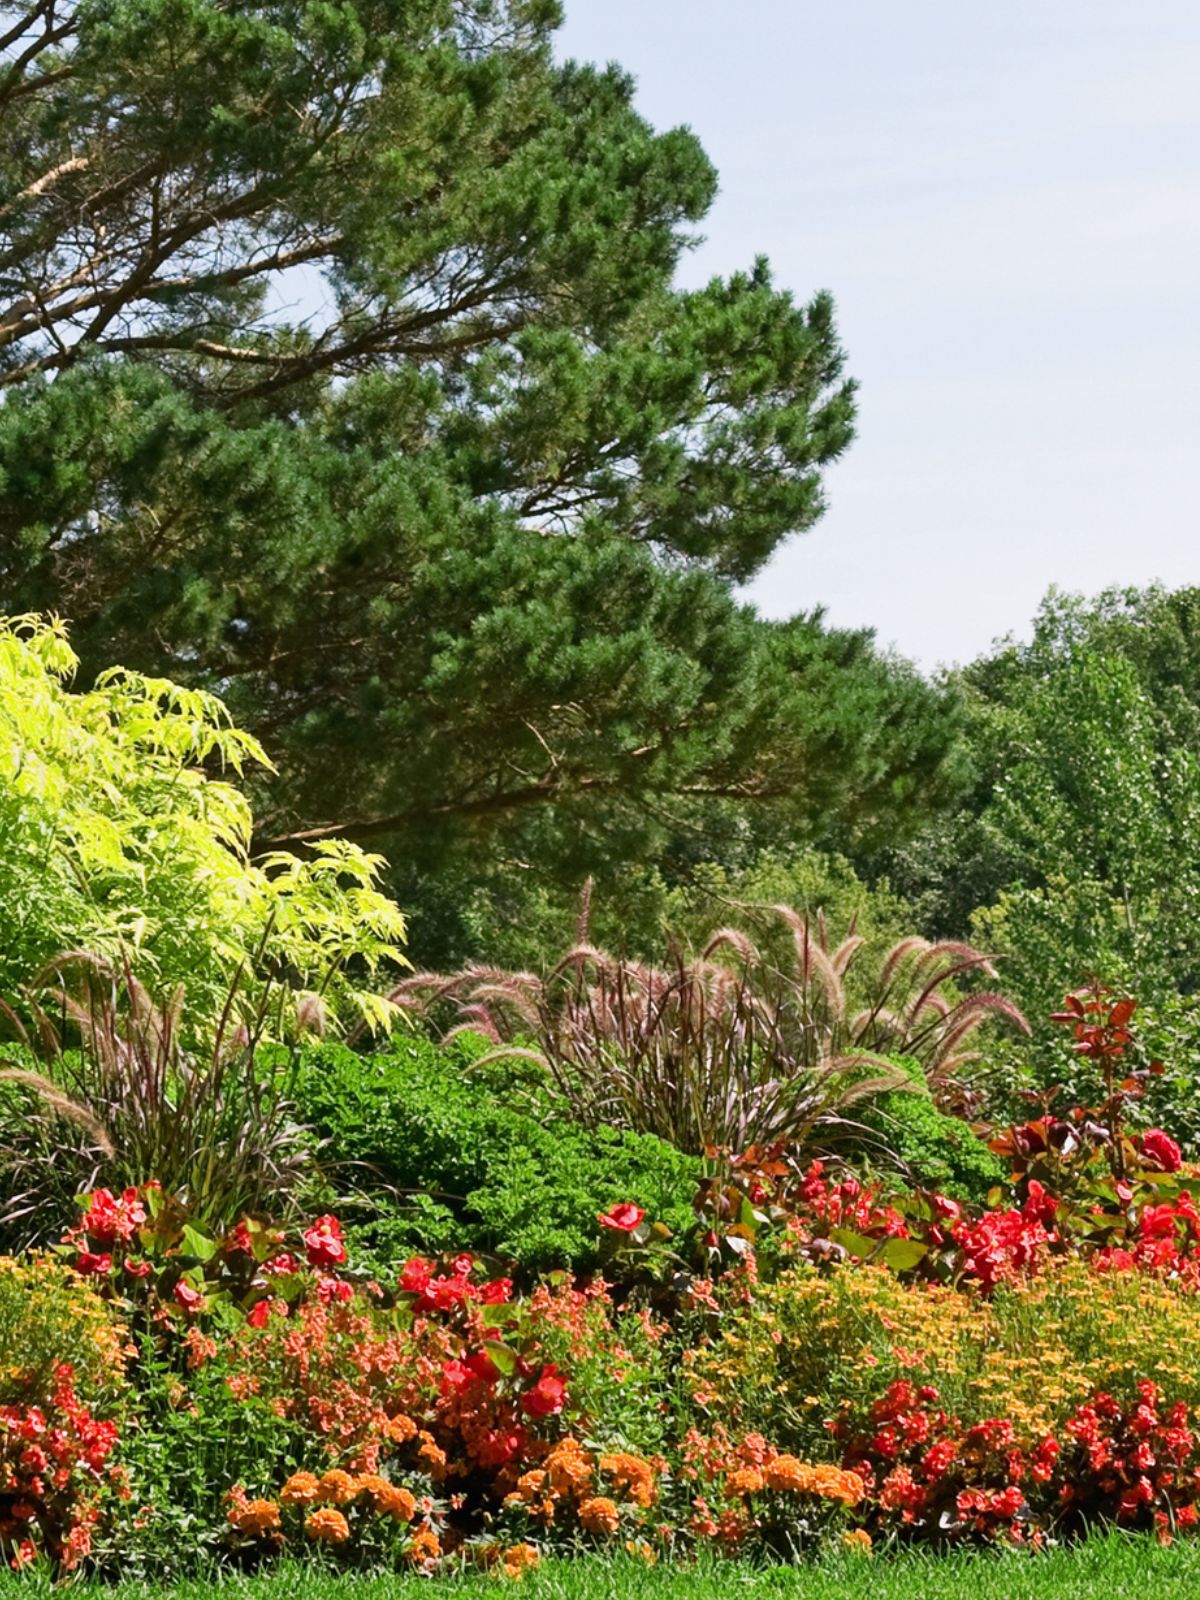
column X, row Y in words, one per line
column 431, row 1457
column 518, row 1558
column 388, row 1499
column 858, row 1540
column 424, row 1546
column 400, row 1429
column 834, row 1484
column 338, row 1488
column 600, row 1515
column 746, row 1480
column 785, row 1472
column 631, row 1475
column 567, row 1467
column 401, row 1504
column 301, row 1489
column 529, row 1487
column 254, row 1516
column 327, row 1525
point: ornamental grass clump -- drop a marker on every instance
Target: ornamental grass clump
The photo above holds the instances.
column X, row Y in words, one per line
column 115, row 1092
column 727, row 1048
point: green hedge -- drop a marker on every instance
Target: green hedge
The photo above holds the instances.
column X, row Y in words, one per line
column 452, row 1161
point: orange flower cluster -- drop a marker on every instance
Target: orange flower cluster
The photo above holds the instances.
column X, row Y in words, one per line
column 301, row 1489
column 339, row 1488
column 742, row 1473
column 825, row 1482
column 789, row 1475
column 425, row 1547
column 321, row 1506
column 518, row 1558
column 327, row 1526
column 595, row 1491
column 631, row 1477
column 600, row 1515
column 253, row 1517
column 337, row 1370
column 568, row 1468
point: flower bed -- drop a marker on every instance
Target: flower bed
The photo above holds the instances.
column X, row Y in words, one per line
column 818, row 1361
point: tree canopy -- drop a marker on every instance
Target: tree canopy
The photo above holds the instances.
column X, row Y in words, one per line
column 343, row 372
column 1073, row 846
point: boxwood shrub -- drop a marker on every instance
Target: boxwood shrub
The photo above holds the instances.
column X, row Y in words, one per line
column 932, row 1149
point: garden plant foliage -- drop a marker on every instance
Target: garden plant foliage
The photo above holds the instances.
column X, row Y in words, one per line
column 122, row 833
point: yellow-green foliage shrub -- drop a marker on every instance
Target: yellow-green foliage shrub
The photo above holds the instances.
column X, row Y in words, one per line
column 116, row 836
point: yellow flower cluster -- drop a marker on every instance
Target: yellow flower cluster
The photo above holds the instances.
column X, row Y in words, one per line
column 812, row 1348
column 811, row 1344
column 50, row 1315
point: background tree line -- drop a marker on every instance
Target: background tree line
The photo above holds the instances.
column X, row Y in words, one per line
column 344, row 373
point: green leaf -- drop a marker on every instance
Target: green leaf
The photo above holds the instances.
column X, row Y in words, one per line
column 500, row 1316
column 198, row 1245
column 857, row 1244
column 901, row 1255
column 503, row 1359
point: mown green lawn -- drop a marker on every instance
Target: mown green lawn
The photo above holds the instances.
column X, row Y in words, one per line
column 1113, row 1568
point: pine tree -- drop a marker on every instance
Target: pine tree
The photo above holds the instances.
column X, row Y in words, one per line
column 343, row 372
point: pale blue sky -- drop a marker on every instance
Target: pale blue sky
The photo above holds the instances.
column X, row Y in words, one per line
column 1005, row 201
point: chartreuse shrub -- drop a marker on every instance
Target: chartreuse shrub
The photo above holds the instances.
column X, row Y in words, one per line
column 121, row 834
column 450, row 1161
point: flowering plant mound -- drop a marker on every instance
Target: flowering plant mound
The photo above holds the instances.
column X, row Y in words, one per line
column 361, row 1518
column 599, row 1496
column 1134, row 1462
column 141, row 1250
column 747, row 1492
column 50, row 1317
column 55, row 1467
column 456, row 1394
column 928, row 1475
column 823, row 1358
